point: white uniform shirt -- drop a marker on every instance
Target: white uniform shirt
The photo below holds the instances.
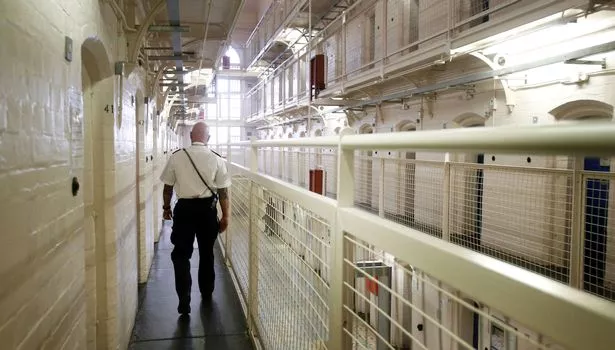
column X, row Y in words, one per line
column 180, row 173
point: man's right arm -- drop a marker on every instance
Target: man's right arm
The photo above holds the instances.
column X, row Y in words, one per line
column 168, row 178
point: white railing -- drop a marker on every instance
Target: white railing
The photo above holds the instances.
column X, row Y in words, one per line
column 315, row 272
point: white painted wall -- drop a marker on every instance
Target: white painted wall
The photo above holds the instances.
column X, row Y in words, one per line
column 60, row 262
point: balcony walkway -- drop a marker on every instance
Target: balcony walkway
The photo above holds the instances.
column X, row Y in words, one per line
column 218, row 324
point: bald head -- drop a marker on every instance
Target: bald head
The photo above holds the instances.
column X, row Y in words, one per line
column 200, row 133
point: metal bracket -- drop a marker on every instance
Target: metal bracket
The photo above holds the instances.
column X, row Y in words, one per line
column 601, row 63
column 510, row 95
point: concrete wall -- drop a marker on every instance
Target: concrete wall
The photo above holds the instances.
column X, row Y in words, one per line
column 69, row 264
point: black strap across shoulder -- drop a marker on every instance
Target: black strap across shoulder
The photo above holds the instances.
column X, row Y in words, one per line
column 199, row 173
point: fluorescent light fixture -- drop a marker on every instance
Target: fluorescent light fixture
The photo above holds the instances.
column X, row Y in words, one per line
column 554, row 36
column 553, row 19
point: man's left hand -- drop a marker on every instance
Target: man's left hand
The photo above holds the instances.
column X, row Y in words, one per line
column 223, row 224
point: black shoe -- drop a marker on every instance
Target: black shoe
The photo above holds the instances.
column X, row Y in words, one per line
column 183, row 308
column 207, row 296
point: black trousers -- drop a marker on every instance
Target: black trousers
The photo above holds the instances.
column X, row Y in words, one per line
column 194, row 217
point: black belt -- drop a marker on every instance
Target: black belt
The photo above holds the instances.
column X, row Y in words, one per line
column 197, row 199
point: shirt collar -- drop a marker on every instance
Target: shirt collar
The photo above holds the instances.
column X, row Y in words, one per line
column 198, row 144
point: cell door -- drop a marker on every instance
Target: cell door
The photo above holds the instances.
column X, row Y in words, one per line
column 596, row 214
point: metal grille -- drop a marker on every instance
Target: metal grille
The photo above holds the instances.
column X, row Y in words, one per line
column 354, row 45
column 519, row 215
column 432, row 21
column 392, row 305
column 599, row 232
column 366, row 181
column 293, row 253
column 236, row 238
column 413, row 192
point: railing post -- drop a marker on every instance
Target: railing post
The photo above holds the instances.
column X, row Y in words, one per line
column 381, row 188
column 228, row 152
column 342, row 75
column 384, row 38
column 577, row 241
column 338, row 296
column 446, row 197
column 252, row 249
column 227, row 235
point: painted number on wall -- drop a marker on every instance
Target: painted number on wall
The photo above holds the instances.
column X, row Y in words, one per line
column 108, row 108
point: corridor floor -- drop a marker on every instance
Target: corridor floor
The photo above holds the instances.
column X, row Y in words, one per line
column 218, row 324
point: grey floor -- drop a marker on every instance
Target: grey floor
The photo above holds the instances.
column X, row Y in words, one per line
column 218, row 324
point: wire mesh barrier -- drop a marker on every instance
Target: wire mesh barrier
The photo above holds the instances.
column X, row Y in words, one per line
column 235, row 240
column 413, row 192
column 286, row 250
column 522, row 215
column 519, row 215
column 293, row 269
column 393, row 305
column 367, row 194
column 420, row 252
column 599, row 228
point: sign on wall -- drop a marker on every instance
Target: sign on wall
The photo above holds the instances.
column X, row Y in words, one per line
column 498, row 338
column 75, row 116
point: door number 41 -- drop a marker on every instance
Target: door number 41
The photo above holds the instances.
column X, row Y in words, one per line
column 108, row 108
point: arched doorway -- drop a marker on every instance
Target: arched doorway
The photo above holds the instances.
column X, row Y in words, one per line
column 469, row 322
column 98, row 88
column 596, row 191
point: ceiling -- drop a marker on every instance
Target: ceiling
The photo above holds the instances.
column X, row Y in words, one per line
column 181, row 41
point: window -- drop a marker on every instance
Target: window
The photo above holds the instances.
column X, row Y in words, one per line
column 235, row 108
column 222, row 134
column 233, row 56
column 224, row 108
column 222, row 86
column 211, row 112
column 235, row 85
